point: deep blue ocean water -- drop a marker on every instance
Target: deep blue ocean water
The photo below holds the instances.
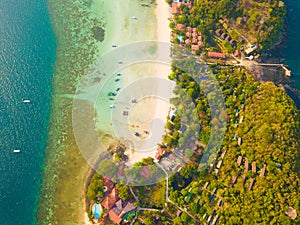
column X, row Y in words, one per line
column 292, row 51
column 27, row 55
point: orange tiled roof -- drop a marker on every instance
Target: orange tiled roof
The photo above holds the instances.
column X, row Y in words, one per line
column 110, row 199
column 114, row 217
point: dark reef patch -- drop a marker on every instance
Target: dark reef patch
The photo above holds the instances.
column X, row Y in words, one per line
column 98, row 33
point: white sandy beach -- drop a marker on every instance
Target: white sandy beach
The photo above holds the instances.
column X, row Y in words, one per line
column 149, row 114
column 129, row 22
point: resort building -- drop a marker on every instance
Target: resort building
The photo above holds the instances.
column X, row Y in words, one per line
column 216, row 55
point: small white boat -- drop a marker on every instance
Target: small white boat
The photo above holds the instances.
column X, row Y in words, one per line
column 112, row 106
column 26, row 100
column 134, row 18
column 17, row 150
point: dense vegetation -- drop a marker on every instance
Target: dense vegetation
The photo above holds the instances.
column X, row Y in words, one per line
column 270, row 134
column 260, row 21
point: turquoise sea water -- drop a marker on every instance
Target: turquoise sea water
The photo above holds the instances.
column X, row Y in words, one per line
column 27, row 51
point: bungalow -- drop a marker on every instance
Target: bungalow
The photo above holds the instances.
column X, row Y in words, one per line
column 254, row 167
column 180, row 27
column 200, row 43
column 239, row 161
column 219, row 164
column 219, row 32
column 233, row 180
column 251, row 184
column 224, row 36
column 239, row 141
column 200, row 38
column 246, row 165
column 216, row 55
column 233, row 43
column 223, row 154
column 263, row 171
column 195, row 47
column 189, row 29
column 188, row 34
column 188, row 41
column 194, row 41
column 194, row 29
column 228, row 38
column 175, row 8
column 194, row 35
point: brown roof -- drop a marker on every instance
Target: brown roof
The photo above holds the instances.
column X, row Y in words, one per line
column 254, row 167
column 188, row 34
column 263, row 171
column 246, row 165
column 239, row 160
column 194, row 34
column 194, row 29
column 194, row 40
column 200, row 38
column 189, row 29
column 110, row 199
column 216, row 55
column 251, row 184
column 114, row 217
column 108, row 183
column 200, row 43
column 145, row 172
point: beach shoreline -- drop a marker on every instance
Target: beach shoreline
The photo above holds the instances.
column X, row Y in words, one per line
column 65, row 167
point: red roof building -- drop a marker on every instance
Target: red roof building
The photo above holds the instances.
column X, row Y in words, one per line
column 194, row 41
column 189, row 29
column 217, row 55
column 145, row 172
column 114, row 217
column 108, row 183
column 110, row 199
column 188, row 34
